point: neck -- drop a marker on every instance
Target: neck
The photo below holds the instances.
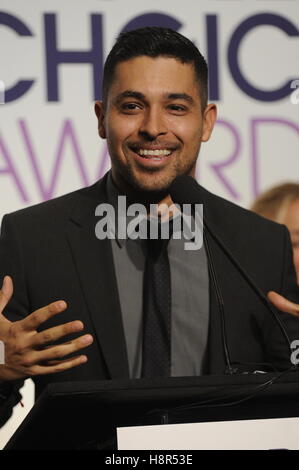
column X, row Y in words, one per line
column 160, row 199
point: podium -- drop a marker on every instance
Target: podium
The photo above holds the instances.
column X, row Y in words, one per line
column 85, row 415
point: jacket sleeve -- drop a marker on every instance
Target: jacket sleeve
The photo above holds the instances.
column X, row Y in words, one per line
column 11, row 264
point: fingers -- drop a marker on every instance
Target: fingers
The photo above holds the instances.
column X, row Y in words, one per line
column 53, row 334
column 283, row 304
column 62, row 361
column 59, row 366
column 35, row 319
column 33, row 358
column 5, row 292
column 27, row 353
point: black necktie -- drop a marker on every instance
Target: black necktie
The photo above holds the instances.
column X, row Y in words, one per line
column 156, row 350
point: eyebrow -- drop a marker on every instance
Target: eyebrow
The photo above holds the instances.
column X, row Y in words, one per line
column 140, row 96
column 180, row 96
column 129, row 94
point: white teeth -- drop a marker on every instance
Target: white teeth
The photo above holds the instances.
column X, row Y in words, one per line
column 151, row 153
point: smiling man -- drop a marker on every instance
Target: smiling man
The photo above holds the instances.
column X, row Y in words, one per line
column 146, row 311
column 154, row 118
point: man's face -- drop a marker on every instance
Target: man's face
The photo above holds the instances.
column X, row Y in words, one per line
column 153, row 122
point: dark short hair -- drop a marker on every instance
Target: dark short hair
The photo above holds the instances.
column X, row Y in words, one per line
column 154, row 42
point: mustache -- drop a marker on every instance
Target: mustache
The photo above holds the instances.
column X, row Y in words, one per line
column 154, row 145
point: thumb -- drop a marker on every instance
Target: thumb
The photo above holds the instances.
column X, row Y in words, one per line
column 5, row 292
column 283, row 304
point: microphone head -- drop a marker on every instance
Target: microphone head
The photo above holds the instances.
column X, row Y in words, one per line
column 185, row 190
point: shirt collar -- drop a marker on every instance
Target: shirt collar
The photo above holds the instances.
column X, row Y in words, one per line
column 113, row 194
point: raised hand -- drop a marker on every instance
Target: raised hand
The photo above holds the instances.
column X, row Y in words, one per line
column 28, row 352
column 283, row 304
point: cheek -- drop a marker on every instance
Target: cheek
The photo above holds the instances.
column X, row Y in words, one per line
column 119, row 130
column 187, row 133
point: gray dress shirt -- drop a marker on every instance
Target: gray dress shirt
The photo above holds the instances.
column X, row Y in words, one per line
column 189, row 297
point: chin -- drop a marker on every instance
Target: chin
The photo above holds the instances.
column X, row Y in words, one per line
column 155, row 183
column 152, row 183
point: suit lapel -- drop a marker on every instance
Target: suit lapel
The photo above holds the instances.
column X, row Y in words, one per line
column 93, row 259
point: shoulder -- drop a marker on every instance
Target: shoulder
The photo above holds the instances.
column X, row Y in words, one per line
column 55, row 210
column 232, row 217
column 256, row 242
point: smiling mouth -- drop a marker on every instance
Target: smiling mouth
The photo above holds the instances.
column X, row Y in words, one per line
column 153, row 154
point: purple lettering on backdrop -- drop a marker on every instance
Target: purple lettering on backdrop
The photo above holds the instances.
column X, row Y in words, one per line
column 233, row 54
column 67, row 133
column 55, row 57
column 153, row 19
column 254, row 152
column 213, row 57
column 22, row 86
column 11, row 170
column 218, row 167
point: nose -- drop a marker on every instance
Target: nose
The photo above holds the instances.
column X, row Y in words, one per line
column 153, row 124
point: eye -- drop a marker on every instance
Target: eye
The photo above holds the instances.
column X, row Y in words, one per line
column 177, row 108
column 130, row 107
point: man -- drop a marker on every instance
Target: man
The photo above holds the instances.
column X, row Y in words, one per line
column 154, row 116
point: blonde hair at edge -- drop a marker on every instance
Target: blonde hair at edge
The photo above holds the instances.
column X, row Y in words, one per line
column 281, row 204
column 273, row 203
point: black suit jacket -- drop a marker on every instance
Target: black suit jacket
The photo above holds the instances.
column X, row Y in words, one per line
column 52, row 253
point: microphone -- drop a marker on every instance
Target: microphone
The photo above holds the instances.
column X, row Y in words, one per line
column 185, row 190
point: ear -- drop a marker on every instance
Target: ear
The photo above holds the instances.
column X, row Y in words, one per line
column 100, row 113
column 209, row 119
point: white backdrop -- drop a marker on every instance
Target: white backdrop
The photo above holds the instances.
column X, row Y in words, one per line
column 48, row 133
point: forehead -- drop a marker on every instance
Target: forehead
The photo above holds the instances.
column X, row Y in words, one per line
column 155, row 76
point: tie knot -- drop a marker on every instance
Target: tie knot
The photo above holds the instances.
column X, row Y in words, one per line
column 157, row 230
